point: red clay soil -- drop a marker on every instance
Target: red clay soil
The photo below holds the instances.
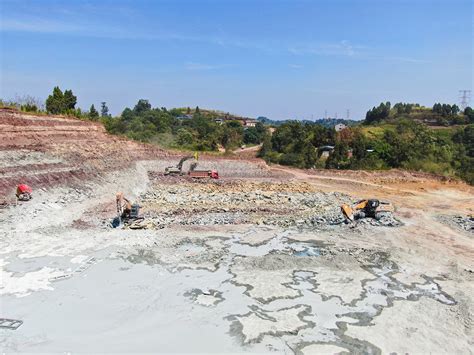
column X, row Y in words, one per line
column 83, row 150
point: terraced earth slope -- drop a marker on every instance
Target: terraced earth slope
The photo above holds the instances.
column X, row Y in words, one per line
column 46, row 151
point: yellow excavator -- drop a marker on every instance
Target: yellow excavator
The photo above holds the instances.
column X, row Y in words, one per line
column 372, row 208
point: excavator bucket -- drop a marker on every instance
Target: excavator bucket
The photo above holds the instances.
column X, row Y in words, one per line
column 347, row 212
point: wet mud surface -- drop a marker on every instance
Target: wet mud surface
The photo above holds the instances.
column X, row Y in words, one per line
column 274, row 295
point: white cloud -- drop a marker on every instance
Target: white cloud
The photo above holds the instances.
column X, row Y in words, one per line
column 341, row 48
column 408, row 60
column 37, row 25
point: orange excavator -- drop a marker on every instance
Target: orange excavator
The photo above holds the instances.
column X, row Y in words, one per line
column 372, row 208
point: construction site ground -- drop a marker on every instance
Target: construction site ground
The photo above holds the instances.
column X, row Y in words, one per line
column 257, row 261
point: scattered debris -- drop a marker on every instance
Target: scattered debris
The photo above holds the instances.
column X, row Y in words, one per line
column 12, row 324
column 465, row 222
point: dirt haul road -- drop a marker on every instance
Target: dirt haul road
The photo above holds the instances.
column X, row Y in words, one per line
column 258, row 261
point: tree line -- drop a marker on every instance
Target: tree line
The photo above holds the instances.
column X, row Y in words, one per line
column 407, row 145
column 439, row 114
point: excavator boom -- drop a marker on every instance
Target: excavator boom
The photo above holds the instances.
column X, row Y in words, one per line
column 178, row 169
column 180, row 164
column 348, row 212
column 365, row 208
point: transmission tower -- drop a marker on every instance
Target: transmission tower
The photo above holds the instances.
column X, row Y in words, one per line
column 348, row 114
column 326, row 114
column 465, row 96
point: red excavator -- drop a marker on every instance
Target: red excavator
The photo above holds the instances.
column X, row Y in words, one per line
column 24, row 192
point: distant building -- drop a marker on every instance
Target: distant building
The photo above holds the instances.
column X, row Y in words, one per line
column 185, row 117
column 249, row 122
column 339, row 127
column 246, row 122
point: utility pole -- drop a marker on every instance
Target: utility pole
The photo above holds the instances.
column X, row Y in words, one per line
column 465, row 96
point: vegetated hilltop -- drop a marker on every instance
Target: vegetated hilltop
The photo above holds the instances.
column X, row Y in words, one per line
column 395, row 137
column 438, row 115
column 326, row 122
column 203, row 130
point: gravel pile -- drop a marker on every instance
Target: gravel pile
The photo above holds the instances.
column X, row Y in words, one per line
column 461, row 222
column 241, row 202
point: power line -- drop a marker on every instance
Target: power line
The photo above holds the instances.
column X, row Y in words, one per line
column 465, row 96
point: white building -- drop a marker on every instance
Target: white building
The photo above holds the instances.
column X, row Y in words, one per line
column 339, row 127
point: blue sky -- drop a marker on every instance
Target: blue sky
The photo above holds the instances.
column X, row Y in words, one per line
column 280, row 59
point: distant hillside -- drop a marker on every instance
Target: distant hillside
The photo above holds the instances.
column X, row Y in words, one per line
column 326, row 122
column 438, row 115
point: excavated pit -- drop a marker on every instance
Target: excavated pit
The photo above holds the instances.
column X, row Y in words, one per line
column 258, row 261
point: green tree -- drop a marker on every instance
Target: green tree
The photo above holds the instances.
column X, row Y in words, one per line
column 338, row 158
column 469, row 113
column 59, row 102
column 69, row 100
column 184, row 137
column 378, row 114
column 359, row 147
column 104, row 110
column 266, row 146
column 142, row 106
column 251, row 136
column 93, row 114
column 232, row 134
column 55, row 102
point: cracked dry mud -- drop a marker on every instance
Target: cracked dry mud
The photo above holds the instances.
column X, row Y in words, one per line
column 252, row 265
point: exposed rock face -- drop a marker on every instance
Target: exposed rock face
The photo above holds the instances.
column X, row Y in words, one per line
column 50, row 150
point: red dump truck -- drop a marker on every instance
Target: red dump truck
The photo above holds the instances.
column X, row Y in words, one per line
column 200, row 174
